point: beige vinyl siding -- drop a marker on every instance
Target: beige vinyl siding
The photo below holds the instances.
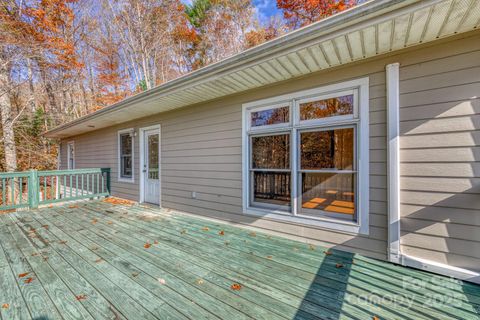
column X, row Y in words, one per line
column 201, row 150
column 440, row 157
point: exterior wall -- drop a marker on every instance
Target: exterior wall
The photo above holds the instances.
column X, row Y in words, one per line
column 201, row 150
column 440, row 154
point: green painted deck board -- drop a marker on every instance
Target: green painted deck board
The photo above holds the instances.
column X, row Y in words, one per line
column 97, row 249
column 197, row 273
column 132, row 299
column 354, row 279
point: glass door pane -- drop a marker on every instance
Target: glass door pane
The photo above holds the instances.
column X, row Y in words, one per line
column 153, row 172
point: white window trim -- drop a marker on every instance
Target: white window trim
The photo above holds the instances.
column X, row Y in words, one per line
column 361, row 226
column 70, row 145
column 119, row 160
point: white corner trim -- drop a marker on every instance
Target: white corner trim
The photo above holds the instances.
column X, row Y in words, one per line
column 119, row 161
column 440, row 268
column 393, row 164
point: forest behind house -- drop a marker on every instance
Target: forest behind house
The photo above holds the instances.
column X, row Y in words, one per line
column 63, row 59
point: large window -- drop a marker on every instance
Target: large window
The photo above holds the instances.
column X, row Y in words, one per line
column 306, row 156
column 125, row 154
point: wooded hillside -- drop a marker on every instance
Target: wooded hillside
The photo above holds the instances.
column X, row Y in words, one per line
column 63, row 59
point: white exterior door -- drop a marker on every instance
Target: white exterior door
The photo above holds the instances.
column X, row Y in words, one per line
column 151, row 166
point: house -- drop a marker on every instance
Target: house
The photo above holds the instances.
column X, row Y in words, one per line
column 360, row 132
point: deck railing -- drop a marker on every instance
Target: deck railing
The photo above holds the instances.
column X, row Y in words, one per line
column 29, row 189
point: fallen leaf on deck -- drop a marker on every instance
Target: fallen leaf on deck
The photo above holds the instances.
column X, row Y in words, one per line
column 375, row 318
column 236, row 286
column 135, row 274
column 183, row 231
column 222, row 233
column 227, row 243
column 199, row 281
column 162, row 281
column 34, row 254
column 5, row 306
column 155, row 242
column 99, row 260
column 269, row 257
column 94, row 248
column 21, row 275
column 81, row 297
column 328, row 253
column 28, row 280
column 311, row 247
column 110, row 222
column 45, row 258
column 45, row 226
column 147, row 245
column 33, row 229
column 252, row 234
column 339, row 265
column 205, row 229
column 118, row 201
column 94, row 221
column 73, row 206
column 62, row 241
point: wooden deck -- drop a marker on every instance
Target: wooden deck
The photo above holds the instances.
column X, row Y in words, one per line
column 96, row 260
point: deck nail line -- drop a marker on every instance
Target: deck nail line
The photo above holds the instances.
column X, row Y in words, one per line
column 89, row 249
column 68, row 263
column 38, row 278
column 104, row 237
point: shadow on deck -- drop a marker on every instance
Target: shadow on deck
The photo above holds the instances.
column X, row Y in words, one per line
column 97, row 260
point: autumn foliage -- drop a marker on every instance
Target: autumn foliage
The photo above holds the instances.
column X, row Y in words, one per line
column 300, row 13
column 63, row 59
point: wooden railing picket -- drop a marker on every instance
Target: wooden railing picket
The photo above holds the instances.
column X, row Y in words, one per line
column 37, row 184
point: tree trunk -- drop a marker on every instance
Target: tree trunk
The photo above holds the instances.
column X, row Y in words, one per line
column 6, row 115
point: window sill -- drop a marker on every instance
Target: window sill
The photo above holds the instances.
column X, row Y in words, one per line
column 345, row 227
column 125, row 180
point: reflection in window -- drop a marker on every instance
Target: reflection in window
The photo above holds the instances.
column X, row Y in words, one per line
column 327, row 108
column 271, row 187
column 270, row 172
column 330, row 149
column 270, row 116
column 330, row 193
column 328, row 188
column 271, row 152
column 126, row 163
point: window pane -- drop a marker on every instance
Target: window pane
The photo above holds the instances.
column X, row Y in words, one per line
column 271, row 187
column 126, row 143
column 326, row 108
column 332, row 149
column 270, row 116
column 332, row 193
column 126, row 162
column 271, row 152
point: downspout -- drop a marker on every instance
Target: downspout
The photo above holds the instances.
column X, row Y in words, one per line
column 393, row 164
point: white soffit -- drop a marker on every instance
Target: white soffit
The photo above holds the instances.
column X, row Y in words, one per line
column 368, row 30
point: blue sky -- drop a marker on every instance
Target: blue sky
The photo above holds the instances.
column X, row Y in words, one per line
column 266, row 8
